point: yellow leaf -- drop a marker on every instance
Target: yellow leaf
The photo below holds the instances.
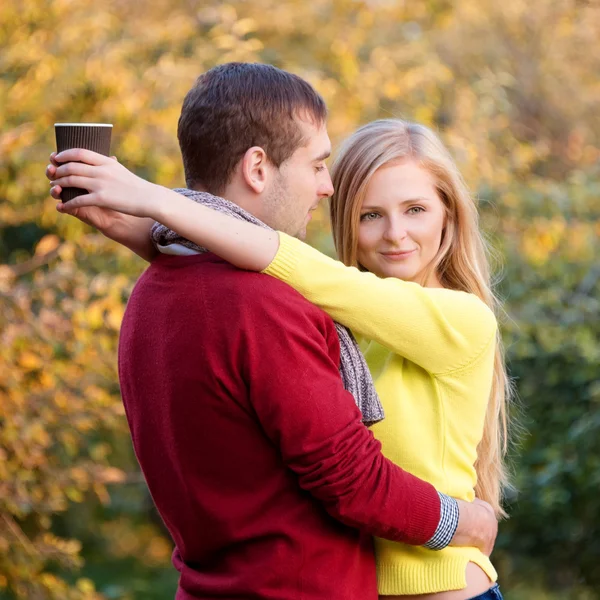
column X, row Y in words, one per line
column 115, row 317
column 101, row 493
column 243, row 27
column 30, row 361
column 47, row 244
column 74, row 494
column 6, row 274
column 112, row 475
column 95, row 314
column 85, row 585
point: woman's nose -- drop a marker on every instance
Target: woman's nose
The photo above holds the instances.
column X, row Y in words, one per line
column 394, row 232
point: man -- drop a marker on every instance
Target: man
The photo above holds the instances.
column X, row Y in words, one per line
column 254, row 453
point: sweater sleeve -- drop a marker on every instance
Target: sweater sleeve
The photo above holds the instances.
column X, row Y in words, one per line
column 439, row 329
column 297, row 394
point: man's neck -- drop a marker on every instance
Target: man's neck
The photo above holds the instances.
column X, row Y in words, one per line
column 235, row 197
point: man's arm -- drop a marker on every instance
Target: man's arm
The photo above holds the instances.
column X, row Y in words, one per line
column 301, row 403
column 132, row 232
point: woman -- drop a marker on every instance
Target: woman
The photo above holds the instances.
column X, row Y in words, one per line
column 416, row 287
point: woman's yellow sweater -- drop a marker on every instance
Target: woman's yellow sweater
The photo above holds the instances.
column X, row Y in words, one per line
column 431, row 353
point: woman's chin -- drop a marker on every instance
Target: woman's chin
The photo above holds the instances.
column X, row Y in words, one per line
column 398, row 272
column 396, row 269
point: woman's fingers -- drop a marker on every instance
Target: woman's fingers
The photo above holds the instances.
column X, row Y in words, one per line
column 50, row 172
column 60, row 169
column 81, row 155
column 55, row 192
column 80, row 169
column 77, row 175
column 76, row 181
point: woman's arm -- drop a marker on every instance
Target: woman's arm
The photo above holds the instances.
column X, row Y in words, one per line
column 112, row 187
column 440, row 330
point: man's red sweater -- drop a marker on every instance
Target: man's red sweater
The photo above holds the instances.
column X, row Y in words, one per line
column 254, row 453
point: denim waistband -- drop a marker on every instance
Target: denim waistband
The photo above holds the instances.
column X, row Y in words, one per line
column 492, row 594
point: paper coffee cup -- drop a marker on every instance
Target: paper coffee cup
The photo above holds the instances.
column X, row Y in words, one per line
column 91, row 136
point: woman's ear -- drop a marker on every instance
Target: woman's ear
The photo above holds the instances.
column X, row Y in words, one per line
column 255, row 169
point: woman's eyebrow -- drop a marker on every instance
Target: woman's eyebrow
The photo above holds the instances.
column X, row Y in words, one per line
column 407, row 201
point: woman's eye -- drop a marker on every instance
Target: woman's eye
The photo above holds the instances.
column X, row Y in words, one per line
column 320, row 168
column 369, row 216
column 415, row 210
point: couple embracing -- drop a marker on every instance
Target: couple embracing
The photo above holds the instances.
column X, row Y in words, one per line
column 286, row 463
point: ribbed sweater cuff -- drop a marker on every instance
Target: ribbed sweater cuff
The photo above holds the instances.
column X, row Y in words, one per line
column 284, row 263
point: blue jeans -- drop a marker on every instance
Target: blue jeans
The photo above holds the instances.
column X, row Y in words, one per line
column 492, row 594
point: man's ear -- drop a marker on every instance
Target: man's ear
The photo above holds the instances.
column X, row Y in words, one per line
column 255, row 169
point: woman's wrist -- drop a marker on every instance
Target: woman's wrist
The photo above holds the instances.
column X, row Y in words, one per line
column 158, row 199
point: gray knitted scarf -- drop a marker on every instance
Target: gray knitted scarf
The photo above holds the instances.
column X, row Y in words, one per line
column 353, row 367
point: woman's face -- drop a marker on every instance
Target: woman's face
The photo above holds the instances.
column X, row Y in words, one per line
column 401, row 223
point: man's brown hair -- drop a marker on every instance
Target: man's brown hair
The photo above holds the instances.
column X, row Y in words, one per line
column 236, row 106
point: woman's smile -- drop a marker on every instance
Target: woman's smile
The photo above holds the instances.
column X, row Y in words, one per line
column 398, row 255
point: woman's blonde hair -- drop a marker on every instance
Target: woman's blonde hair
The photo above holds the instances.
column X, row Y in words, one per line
column 460, row 264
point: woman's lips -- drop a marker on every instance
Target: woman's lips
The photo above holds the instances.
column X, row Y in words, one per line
column 400, row 255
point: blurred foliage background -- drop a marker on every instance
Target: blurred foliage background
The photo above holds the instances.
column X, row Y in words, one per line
column 512, row 87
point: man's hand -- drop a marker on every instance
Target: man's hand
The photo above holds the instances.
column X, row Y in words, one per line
column 477, row 526
column 132, row 232
column 105, row 220
column 109, row 184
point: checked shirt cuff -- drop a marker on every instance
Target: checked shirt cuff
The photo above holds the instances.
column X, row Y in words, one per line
column 448, row 523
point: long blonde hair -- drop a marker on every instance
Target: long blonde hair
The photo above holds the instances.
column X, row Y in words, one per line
column 460, row 264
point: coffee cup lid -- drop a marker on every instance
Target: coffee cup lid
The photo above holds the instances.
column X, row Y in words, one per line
column 82, row 124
